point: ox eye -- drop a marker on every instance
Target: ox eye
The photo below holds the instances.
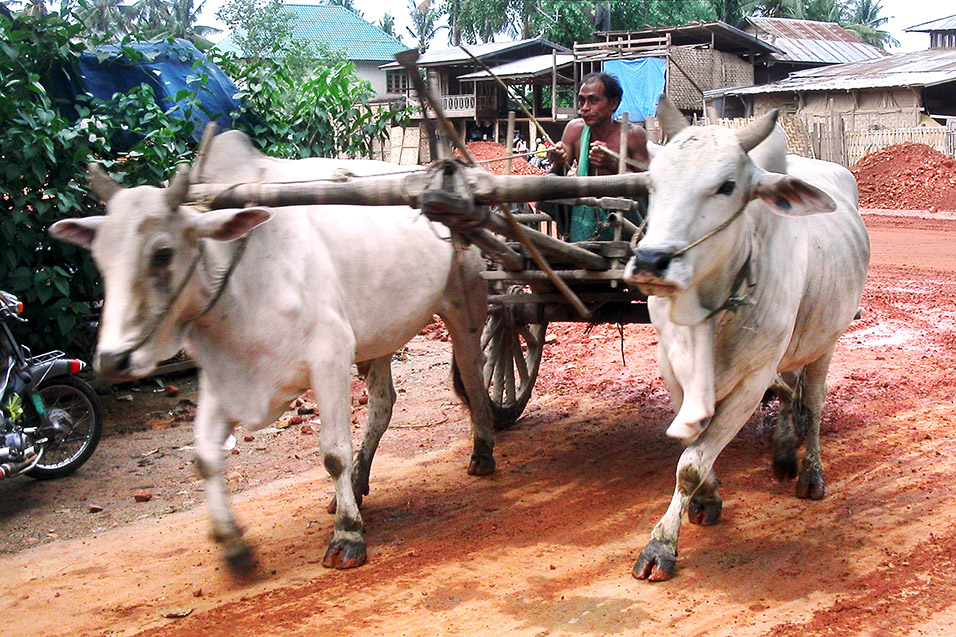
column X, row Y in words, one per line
column 161, row 258
column 727, row 187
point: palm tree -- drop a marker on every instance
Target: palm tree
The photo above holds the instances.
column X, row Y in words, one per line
column 34, row 8
column 103, row 19
column 864, row 21
column 424, row 23
column 171, row 19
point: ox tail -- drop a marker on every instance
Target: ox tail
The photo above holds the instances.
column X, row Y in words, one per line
column 458, row 384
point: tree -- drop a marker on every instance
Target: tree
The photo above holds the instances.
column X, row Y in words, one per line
column 171, row 19
column 387, row 24
column 102, row 20
column 425, row 25
column 864, row 21
column 568, row 21
column 346, row 4
column 262, row 29
column 34, row 8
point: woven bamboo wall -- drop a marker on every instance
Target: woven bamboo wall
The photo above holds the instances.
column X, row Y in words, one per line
column 798, row 136
column 691, row 70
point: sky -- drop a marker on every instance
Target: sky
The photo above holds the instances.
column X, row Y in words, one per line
column 901, row 14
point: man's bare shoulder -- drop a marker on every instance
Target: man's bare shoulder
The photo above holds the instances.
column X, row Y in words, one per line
column 575, row 127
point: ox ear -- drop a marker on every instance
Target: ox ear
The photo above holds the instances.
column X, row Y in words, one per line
column 791, row 196
column 226, row 225
column 79, row 232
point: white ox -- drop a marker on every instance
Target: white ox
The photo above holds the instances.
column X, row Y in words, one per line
column 749, row 287
column 311, row 292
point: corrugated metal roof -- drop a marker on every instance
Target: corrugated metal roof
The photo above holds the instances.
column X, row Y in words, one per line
column 456, row 54
column 453, row 55
column 918, row 68
column 943, row 24
column 340, row 29
column 519, row 69
column 809, row 41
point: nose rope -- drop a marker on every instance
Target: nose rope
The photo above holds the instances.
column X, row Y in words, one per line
column 200, row 253
column 707, row 236
column 739, row 295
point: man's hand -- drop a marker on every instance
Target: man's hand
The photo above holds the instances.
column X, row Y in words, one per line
column 599, row 156
column 558, row 154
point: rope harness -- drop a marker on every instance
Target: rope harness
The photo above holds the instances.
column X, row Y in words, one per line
column 739, row 294
column 159, row 317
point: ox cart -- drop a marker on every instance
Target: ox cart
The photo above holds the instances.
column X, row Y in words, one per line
column 534, row 277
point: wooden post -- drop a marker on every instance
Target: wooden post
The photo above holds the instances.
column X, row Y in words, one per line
column 622, row 159
column 510, row 141
column 554, row 85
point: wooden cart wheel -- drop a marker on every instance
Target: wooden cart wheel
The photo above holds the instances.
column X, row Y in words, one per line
column 513, row 351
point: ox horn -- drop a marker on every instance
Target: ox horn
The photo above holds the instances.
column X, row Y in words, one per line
column 672, row 120
column 178, row 187
column 104, row 186
column 755, row 133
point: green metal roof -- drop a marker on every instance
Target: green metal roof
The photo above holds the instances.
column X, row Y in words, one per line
column 344, row 30
column 339, row 28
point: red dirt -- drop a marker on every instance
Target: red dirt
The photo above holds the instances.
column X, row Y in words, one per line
column 545, row 545
column 907, row 177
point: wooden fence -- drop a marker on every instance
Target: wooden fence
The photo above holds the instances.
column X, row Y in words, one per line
column 866, row 142
column 828, row 139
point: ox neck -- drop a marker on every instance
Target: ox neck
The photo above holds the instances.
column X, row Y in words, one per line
column 216, row 273
column 729, row 285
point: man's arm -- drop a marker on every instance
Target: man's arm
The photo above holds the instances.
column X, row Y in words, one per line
column 565, row 151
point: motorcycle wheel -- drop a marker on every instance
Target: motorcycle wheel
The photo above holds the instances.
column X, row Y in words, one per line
column 71, row 398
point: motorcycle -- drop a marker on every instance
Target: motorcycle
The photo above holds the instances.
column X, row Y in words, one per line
column 50, row 419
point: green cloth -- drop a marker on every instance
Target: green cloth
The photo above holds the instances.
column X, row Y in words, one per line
column 588, row 223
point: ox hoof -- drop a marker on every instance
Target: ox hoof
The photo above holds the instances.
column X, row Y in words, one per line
column 334, row 503
column 656, row 563
column 481, row 465
column 784, row 468
column 344, row 554
column 240, row 558
column 705, row 511
column 810, row 483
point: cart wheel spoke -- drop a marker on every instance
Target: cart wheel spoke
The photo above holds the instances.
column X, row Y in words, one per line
column 507, row 362
column 513, row 351
column 520, row 359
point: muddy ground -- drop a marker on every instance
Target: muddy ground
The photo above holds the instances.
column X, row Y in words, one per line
column 545, row 545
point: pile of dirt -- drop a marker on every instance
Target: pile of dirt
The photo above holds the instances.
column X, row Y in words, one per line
column 491, row 150
column 907, row 177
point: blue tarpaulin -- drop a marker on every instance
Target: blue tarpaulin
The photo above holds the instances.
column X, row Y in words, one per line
column 643, row 83
column 168, row 67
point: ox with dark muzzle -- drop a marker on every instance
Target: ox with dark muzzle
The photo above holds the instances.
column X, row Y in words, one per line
column 271, row 303
column 753, row 274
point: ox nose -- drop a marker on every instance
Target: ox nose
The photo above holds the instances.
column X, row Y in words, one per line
column 654, row 262
column 113, row 364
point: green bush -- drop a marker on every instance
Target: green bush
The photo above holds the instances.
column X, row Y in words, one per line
column 325, row 114
column 45, row 145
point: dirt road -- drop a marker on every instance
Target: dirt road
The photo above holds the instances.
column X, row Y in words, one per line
column 546, row 544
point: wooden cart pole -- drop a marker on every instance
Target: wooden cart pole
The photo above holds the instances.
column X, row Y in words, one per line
column 622, row 147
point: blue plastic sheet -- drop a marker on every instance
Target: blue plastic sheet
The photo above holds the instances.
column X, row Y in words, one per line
column 168, row 67
column 643, row 83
